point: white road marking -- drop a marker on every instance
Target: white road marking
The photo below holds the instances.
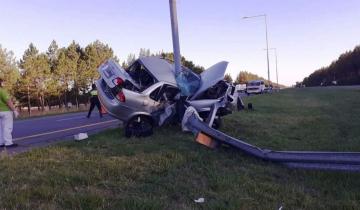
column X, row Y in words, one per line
column 59, row 131
column 45, row 117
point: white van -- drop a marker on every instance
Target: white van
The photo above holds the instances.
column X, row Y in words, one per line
column 255, row 86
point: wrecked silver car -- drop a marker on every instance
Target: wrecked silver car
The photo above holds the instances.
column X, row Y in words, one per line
column 148, row 93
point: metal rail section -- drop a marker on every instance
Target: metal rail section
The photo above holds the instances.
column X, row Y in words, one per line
column 346, row 161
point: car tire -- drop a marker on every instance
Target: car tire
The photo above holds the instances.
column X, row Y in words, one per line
column 139, row 126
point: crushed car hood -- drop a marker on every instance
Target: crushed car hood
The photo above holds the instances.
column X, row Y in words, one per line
column 211, row 76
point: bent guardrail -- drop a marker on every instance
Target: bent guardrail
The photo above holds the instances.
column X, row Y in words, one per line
column 349, row 161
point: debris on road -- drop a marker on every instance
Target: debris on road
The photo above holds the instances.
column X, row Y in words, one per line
column 199, row 200
column 80, row 136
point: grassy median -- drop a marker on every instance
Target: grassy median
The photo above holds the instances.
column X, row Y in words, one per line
column 169, row 170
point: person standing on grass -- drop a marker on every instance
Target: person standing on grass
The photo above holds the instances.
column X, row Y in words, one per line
column 7, row 112
column 94, row 101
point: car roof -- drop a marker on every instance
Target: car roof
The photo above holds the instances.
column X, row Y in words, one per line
column 159, row 68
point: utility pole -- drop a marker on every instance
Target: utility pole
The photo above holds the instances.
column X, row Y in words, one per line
column 175, row 36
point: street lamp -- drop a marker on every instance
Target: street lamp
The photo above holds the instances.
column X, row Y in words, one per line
column 267, row 42
column 276, row 65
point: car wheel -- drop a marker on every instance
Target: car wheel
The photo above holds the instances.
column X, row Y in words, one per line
column 139, row 126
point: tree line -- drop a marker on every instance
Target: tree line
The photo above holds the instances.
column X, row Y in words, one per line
column 64, row 75
column 244, row 77
column 344, row 71
column 61, row 75
column 55, row 77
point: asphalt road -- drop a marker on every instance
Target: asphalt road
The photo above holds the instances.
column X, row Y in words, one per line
column 42, row 131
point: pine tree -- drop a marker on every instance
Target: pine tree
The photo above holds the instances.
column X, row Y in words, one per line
column 8, row 70
column 27, row 84
column 53, row 84
column 37, row 75
column 228, row 78
column 52, row 54
column 130, row 59
column 66, row 68
column 31, row 51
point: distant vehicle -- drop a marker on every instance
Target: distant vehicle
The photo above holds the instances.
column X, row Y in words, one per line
column 268, row 89
column 147, row 94
column 240, row 88
column 255, row 87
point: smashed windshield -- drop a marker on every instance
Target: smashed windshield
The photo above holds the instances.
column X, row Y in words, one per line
column 188, row 82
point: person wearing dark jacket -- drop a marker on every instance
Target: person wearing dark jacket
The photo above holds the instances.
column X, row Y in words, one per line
column 94, row 101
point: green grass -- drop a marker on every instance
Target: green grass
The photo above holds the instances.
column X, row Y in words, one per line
column 169, row 170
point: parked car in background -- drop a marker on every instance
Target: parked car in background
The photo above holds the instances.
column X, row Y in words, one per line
column 268, row 88
column 240, row 88
column 147, row 94
column 255, row 87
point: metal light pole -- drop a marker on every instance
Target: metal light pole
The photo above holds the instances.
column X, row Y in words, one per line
column 277, row 78
column 175, row 36
column 276, row 63
column 267, row 41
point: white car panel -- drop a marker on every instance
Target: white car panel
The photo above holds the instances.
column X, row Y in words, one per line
column 211, row 76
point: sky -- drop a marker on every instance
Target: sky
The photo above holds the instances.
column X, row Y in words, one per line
column 307, row 34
